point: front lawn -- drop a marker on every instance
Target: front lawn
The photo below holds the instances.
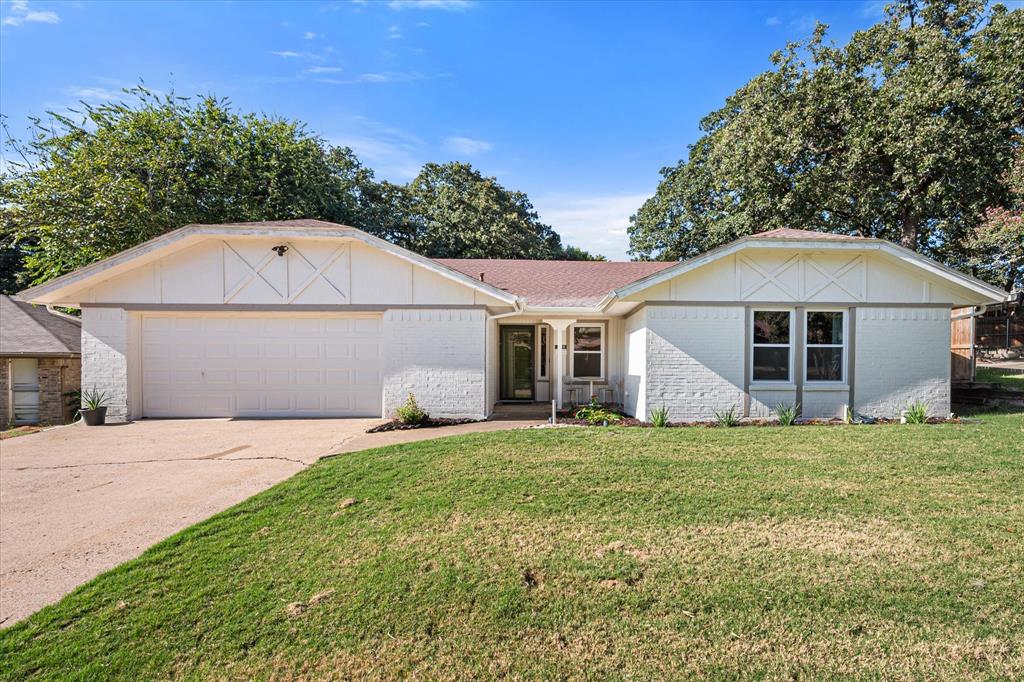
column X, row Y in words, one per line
column 1005, row 378
column 875, row 552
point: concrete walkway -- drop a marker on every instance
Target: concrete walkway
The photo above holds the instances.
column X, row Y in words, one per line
column 76, row 501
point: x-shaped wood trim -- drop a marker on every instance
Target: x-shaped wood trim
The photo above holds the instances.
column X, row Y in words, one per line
column 770, row 278
column 834, row 278
column 254, row 272
column 318, row 272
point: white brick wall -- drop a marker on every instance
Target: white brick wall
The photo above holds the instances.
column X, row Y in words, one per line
column 634, row 383
column 105, row 333
column 694, row 360
column 438, row 355
column 902, row 354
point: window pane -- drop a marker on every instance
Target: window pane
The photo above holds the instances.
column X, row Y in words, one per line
column 586, row 364
column 825, row 328
column 771, row 326
column 824, row 364
column 771, row 364
column 586, row 338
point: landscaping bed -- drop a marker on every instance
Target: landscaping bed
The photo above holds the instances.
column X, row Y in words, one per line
column 429, row 423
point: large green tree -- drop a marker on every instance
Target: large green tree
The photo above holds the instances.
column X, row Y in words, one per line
column 123, row 172
column 452, row 211
column 905, row 133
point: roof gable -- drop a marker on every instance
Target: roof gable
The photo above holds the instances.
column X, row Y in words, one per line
column 787, row 242
column 67, row 287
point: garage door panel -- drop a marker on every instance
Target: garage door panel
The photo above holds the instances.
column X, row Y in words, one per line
column 281, row 365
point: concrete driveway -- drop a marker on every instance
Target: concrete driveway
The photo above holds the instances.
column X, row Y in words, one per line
column 76, row 501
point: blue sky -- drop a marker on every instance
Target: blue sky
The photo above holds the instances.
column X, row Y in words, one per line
column 577, row 104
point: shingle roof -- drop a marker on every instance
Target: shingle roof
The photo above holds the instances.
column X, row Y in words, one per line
column 790, row 233
column 31, row 330
column 555, row 282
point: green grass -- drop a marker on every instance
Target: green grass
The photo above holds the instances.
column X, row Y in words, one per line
column 1005, row 378
column 879, row 552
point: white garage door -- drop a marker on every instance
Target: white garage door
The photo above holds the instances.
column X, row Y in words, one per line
column 209, row 365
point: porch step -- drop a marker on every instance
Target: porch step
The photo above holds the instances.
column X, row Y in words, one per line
column 521, row 411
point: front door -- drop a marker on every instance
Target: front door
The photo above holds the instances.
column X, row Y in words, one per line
column 516, row 363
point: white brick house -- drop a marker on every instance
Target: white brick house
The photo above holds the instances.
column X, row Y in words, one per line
column 306, row 318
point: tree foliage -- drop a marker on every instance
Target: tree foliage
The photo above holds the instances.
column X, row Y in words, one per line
column 91, row 183
column 905, row 133
column 452, row 211
column 128, row 172
column 997, row 244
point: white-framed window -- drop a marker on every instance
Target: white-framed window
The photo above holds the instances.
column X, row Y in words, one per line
column 771, row 351
column 542, row 352
column 586, row 350
column 825, row 348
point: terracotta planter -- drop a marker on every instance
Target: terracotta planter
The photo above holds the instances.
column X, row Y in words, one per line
column 96, row 417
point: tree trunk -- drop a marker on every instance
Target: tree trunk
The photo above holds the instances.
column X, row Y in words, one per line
column 908, row 231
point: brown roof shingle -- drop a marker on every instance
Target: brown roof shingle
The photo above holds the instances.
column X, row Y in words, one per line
column 555, row 282
column 32, row 331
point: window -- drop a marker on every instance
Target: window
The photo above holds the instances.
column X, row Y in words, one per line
column 587, row 351
column 772, row 349
column 825, row 345
column 543, row 350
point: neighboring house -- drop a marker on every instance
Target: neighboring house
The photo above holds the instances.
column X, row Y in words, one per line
column 39, row 362
column 310, row 318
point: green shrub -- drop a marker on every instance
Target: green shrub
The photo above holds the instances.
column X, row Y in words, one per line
column 916, row 412
column 93, row 399
column 727, row 418
column 787, row 414
column 595, row 414
column 659, row 417
column 411, row 412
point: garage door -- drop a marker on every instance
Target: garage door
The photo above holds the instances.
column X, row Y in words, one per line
column 261, row 366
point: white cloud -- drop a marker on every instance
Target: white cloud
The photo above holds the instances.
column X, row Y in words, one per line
column 466, row 146
column 804, row 24
column 874, row 9
column 324, row 69
column 21, row 14
column 310, row 35
column 772, row 21
column 444, row 5
column 94, row 93
column 383, row 77
column 394, row 32
column 392, row 153
column 595, row 223
column 287, row 54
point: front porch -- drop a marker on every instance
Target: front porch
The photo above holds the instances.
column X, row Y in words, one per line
column 568, row 360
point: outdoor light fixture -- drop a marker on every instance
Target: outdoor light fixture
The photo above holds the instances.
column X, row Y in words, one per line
column 280, row 249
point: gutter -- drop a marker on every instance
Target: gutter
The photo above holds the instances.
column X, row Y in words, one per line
column 519, row 306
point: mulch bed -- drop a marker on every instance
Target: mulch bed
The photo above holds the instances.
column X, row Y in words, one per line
column 630, row 421
column 395, row 425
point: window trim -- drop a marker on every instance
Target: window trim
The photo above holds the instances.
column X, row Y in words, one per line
column 789, row 380
column 844, row 346
column 543, row 342
column 572, row 349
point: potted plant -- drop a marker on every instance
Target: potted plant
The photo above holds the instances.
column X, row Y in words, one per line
column 94, row 407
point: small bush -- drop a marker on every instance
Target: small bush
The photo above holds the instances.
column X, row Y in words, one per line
column 916, row 412
column 787, row 414
column 727, row 418
column 659, row 417
column 595, row 414
column 411, row 412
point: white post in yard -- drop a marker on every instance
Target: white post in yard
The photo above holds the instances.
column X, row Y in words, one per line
column 559, row 326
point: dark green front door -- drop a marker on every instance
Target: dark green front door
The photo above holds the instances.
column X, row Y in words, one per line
column 516, row 363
